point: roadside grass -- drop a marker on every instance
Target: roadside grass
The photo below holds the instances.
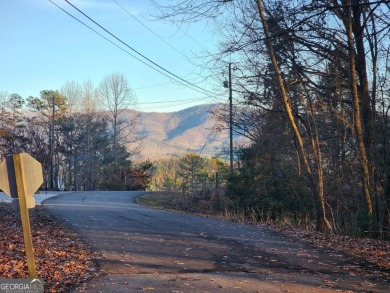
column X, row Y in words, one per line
column 159, row 200
column 190, row 203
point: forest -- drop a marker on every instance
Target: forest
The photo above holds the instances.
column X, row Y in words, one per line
column 78, row 134
column 313, row 77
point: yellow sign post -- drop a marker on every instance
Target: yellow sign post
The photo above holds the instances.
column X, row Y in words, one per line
column 20, row 177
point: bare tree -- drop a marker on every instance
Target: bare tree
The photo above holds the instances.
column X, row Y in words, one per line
column 319, row 62
column 90, row 98
column 117, row 97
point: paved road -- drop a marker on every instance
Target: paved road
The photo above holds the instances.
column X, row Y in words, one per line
column 43, row 195
column 140, row 249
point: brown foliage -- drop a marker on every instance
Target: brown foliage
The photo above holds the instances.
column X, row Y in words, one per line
column 374, row 251
column 62, row 260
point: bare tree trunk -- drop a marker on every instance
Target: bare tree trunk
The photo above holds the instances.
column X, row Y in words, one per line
column 320, row 178
column 317, row 185
column 386, row 218
column 361, row 72
column 364, row 162
column 373, row 45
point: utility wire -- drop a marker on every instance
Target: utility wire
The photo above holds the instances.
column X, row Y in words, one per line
column 187, row 34
column 187, row 101
column 139, row 53
column 159, row 107
column 108, row 40
column 127, row 52
column 179, row 27
column 149, row 29
column 153, row 85
column 162, row 39
column 174, row 101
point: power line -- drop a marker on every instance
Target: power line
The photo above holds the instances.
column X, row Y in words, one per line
column 174, row 101
column 139, row 53
column 157, row 35
column 169, row 104
column 179, row 27
column 187, row 34
column 108, row 40
column 127, row 52
column 159, row 107
column 153, row 85
column 149, row 29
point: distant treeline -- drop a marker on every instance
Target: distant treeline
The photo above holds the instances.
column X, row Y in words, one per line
column 78, row 135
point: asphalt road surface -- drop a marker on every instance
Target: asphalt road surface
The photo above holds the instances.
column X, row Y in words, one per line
column 139, row 249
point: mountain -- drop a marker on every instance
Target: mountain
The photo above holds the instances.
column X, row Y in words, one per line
column 167, row 135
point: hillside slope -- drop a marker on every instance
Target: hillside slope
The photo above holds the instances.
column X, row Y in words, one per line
column 174, row 134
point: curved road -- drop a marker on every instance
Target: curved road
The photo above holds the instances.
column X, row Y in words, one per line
column 140, row 249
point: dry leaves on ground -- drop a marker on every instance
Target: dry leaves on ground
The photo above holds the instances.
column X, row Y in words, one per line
column 375, row 251
column 61, row 258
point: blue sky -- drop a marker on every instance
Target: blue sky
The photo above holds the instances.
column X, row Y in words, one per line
column 42, row 47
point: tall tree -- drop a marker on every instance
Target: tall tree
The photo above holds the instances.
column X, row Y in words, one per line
column 73, row 92
column 192, row 170
column 352, row 23
column 116, row 97
column 47, row 109
column 12, row 126
column 316, row 179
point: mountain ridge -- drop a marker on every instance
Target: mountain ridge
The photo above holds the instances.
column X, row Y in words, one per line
column 169, row 135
